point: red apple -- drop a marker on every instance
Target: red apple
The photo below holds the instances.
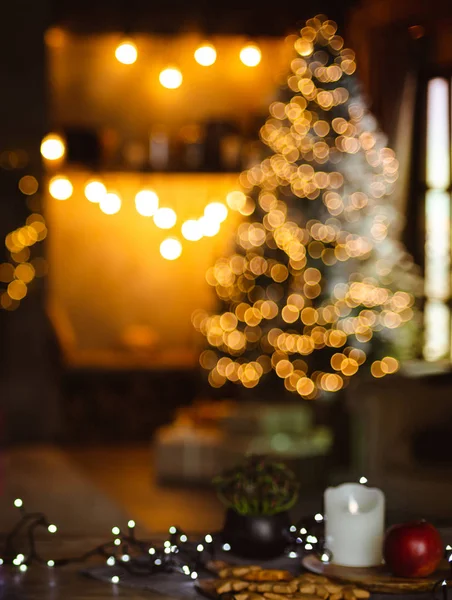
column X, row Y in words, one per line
column 413, row 549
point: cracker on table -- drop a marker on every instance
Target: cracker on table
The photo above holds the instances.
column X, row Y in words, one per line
column 269, row 575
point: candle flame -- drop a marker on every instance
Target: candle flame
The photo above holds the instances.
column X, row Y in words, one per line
column 353, row 506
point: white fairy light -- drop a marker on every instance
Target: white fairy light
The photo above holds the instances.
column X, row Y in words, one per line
column 117, row 542
column 208, row 538
column 1, row 561
column 448, row 547
column 167, row 550
column 52, row 528
column 167, row 544
column 303, row 531
column 23, row 568
column 293, row 555
column 194, row 575
column 186, row 569
column 318, row 517
column 363, row 480
column 293, row 528
column 20, row 558
column 200, row 548
column 312, row 539
column 18, row 503
column 172, row 530
column 116, row 531
column 325, row 558
column 111, row 561
column 131, row 524
column 125, row 558
column 151, row 551
column 308, row 547
column 157, row 561
column 50, row 563
column 115, row 579
column 183, row 538
column 226, row 547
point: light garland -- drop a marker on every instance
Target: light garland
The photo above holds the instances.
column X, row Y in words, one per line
column 310, row 208
column 147, row 204
column 126, row 552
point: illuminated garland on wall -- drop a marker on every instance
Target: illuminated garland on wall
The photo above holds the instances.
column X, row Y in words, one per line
column 319, row 201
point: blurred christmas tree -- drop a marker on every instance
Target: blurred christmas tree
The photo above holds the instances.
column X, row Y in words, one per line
column 319, row 284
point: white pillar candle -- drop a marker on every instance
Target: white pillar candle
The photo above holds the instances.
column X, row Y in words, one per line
column 354, row 524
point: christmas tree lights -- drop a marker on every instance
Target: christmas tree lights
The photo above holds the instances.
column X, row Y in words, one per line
column 318, row 275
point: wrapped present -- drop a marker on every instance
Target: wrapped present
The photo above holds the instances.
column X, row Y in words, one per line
column 183, row 453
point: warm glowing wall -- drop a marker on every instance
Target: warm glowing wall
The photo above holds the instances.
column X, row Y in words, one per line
column 113, row 299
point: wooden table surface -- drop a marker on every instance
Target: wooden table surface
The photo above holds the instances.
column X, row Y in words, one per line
column 64, row 583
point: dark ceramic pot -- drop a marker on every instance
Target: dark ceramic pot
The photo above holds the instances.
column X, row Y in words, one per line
column 256, row 537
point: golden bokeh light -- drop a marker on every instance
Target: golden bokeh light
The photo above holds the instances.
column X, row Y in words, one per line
column 60, row 188
column 216, row 211
column 25, row 272
column 17, row 289
column 205, row 55
column 110, row 204
column 126, row 53
column 250, row 55
column 171, row 78
column 146, row 203
column 192, row 230
column 95, row 191
column 28, row 185
column 165, row 218
column 209, row 227
column 53, row 147
column 171, row 248
column 236, row 200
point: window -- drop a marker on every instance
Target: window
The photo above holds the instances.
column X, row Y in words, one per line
column 437, row 315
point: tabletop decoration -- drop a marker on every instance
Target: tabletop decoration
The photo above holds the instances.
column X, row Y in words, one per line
column 258, row 495
column 355, row 521
column 129, row 557
column 413, row 549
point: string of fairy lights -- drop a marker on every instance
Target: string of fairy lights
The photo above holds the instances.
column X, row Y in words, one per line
column 281, row 305
column 126, row 554
column 205, row 55
column 147, row 203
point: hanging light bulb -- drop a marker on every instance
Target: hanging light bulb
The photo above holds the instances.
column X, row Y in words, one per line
column 216, row 211
column 171, row 249
column 171, row 78
column 192, row 230
column 95, row 191
column 206, row 55
column 60, row 188
column 126, row 52
column 165, row 218
column 209, row 227
column 52, row 147
column 110, row 204
column 147, row 203
column 250, row 55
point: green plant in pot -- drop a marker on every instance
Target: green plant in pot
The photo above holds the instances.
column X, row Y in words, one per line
column 258, row 495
